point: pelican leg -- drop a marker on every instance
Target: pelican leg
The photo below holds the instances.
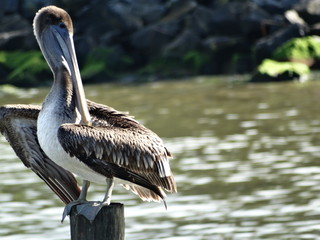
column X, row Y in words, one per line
column 81, row 200
column 91, row 209
column 107, row 197
column 84, row 191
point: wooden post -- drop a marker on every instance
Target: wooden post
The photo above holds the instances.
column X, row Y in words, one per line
column 108, row 224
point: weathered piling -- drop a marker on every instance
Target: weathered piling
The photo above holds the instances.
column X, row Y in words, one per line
column 109, row 224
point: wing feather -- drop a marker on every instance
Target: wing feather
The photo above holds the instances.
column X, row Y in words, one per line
column 89, row 141
column 118, row 139
column 18, row 123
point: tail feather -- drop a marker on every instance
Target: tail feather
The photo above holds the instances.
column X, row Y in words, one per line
column 146, row 194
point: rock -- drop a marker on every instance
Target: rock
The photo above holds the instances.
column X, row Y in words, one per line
column 178, row 8
column 151, row 39
column 221, row 42
column 123, row 12
column 238, row 19
column 9, row 7
column 293, row 17
column 115, row 25
column 315, row 29
column 201, row 18
column 220, row 36
column 241, row 63
column 28, row 8
column 226, row 19
column 4, row 72
column 266, row 46
column 15, row 33
column 148, row 11
column 185, row 42
column 208, row 3
column 223, row 50
column 253, row 20
column 270, row 70
column 113, row 16
column 276, row 6
column 309, row 10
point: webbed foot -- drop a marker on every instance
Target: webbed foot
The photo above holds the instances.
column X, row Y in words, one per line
column 90, row 209
column 68, row 207
column 87, row 209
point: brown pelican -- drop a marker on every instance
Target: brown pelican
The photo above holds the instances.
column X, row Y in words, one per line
column 93, row 141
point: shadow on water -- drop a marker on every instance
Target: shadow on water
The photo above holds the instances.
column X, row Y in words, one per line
column 246, row 163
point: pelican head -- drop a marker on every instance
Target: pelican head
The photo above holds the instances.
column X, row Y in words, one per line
column 54, row 33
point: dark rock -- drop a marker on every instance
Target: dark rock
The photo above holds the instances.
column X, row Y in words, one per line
column 309, row 10
column 113, row 16
column 207, row 3
column 265, row 46
column 221, row 42
column 27, row 9
column 178, row 8
column 239, row 19
column 151, row 39
column 83, row 46
column 201, row 18
column 4, row 72
column 9, row 7
column 73, row 7
column 244, row 19
column 15, row 33
column 122, row 10
column 253, row 19
column 285, row 76
column 185, row 42
column 241, row 63
column 226, row 19
column 148, row 11
column 315, row 29
column 276, row 6
column 222, row 50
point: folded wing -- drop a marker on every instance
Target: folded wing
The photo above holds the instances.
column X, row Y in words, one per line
column 135, row 153
column 18, row 123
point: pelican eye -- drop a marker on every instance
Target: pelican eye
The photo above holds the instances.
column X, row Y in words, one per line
column 62, row 25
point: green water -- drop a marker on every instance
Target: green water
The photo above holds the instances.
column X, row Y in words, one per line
column 246, row 160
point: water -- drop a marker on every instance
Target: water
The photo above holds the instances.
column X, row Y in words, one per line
column 246, row 160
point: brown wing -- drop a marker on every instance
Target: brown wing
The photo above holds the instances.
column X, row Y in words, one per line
column 18, row 123
column 118, row 139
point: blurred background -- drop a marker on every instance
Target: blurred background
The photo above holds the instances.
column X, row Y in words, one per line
column 246, row 154
column 142, row 40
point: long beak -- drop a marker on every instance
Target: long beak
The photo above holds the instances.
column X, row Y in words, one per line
column 69, row 60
